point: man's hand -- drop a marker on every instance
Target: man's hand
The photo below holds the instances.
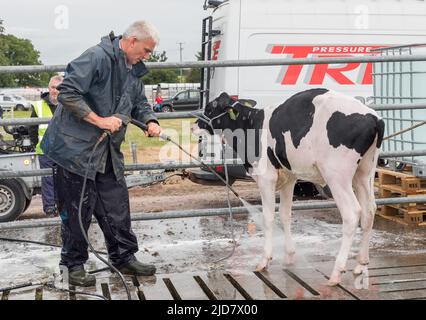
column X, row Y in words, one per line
column 154, row 130
column 112, row 124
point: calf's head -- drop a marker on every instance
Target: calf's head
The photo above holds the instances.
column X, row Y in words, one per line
column 223, row 113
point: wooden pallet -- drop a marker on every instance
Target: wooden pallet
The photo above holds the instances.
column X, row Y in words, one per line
column 401, row 183
column 402, row 215
column 391, row 184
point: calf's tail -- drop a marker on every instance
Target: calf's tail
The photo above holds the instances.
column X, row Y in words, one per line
column 380, row 128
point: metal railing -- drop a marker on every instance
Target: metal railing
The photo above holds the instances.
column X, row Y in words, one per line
column 128, row 167
column 141, row 216
column 186, row 115
column 6, row 174
column 231, row 63
column 220, row 64
column 396, row 83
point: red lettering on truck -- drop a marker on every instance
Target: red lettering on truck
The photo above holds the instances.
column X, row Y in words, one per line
column 215, row 49
column 318, row 73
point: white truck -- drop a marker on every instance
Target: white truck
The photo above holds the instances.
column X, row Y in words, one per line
column 277, row 29
column 274, row 29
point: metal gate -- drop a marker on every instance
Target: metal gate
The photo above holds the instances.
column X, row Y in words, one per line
column 397, row 83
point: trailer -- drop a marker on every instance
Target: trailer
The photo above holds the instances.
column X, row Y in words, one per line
column 16, row 193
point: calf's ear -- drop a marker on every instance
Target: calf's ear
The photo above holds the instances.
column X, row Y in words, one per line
column 247, row 102
column 223, row 99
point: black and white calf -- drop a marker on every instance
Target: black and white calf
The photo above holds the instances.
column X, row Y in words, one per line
column 316, row 135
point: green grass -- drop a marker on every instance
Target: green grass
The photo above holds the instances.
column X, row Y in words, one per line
column 178, row 129
column 148, row 148
column 16, row 114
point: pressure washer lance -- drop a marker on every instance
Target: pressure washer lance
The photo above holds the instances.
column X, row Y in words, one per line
column 165, row 137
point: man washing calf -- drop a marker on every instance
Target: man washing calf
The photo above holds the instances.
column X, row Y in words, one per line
column 102, row 82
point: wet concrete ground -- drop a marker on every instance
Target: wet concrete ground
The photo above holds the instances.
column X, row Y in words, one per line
column 186, row 248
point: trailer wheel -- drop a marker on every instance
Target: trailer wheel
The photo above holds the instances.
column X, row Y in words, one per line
column 12, row 200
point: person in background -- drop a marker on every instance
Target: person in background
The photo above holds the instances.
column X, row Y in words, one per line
column 158, row 102
column 45, row 108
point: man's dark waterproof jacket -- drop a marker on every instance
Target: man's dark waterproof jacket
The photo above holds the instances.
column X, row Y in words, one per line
column 97, row 81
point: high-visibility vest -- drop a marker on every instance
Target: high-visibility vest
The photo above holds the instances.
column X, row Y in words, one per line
column 42, row 110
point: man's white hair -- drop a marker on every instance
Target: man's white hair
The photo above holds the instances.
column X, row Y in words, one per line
column 142, row 30
column 57, row 77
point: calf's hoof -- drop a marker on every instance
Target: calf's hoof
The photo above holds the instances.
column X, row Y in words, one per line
column 360, row 269
column 289, row 259
column 335, row 279
column 263, row 265
column 333, row 283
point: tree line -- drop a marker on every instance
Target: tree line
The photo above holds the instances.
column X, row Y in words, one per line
column 18, row 52
column 15, row 51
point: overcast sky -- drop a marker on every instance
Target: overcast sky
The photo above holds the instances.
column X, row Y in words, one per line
column 62, row 29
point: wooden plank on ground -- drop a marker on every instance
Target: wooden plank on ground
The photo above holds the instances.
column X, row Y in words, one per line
column 405, row 295
column 315, row 281
column 379, row 272
column 399, row 286
column 154, row 288
column 251, row 285
column 220, row 286
column 52, row 294
column 115, row 286
column 398, row 278
column 286, row 284
column 392, row 262
column 358, row 287
column 22, row 294
column 187, row 287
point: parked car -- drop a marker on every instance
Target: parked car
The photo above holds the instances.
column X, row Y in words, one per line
column 187, row 100
column 18, row 103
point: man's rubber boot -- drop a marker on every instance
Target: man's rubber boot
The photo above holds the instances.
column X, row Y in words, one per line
column 136, row 268
column 81, row 278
